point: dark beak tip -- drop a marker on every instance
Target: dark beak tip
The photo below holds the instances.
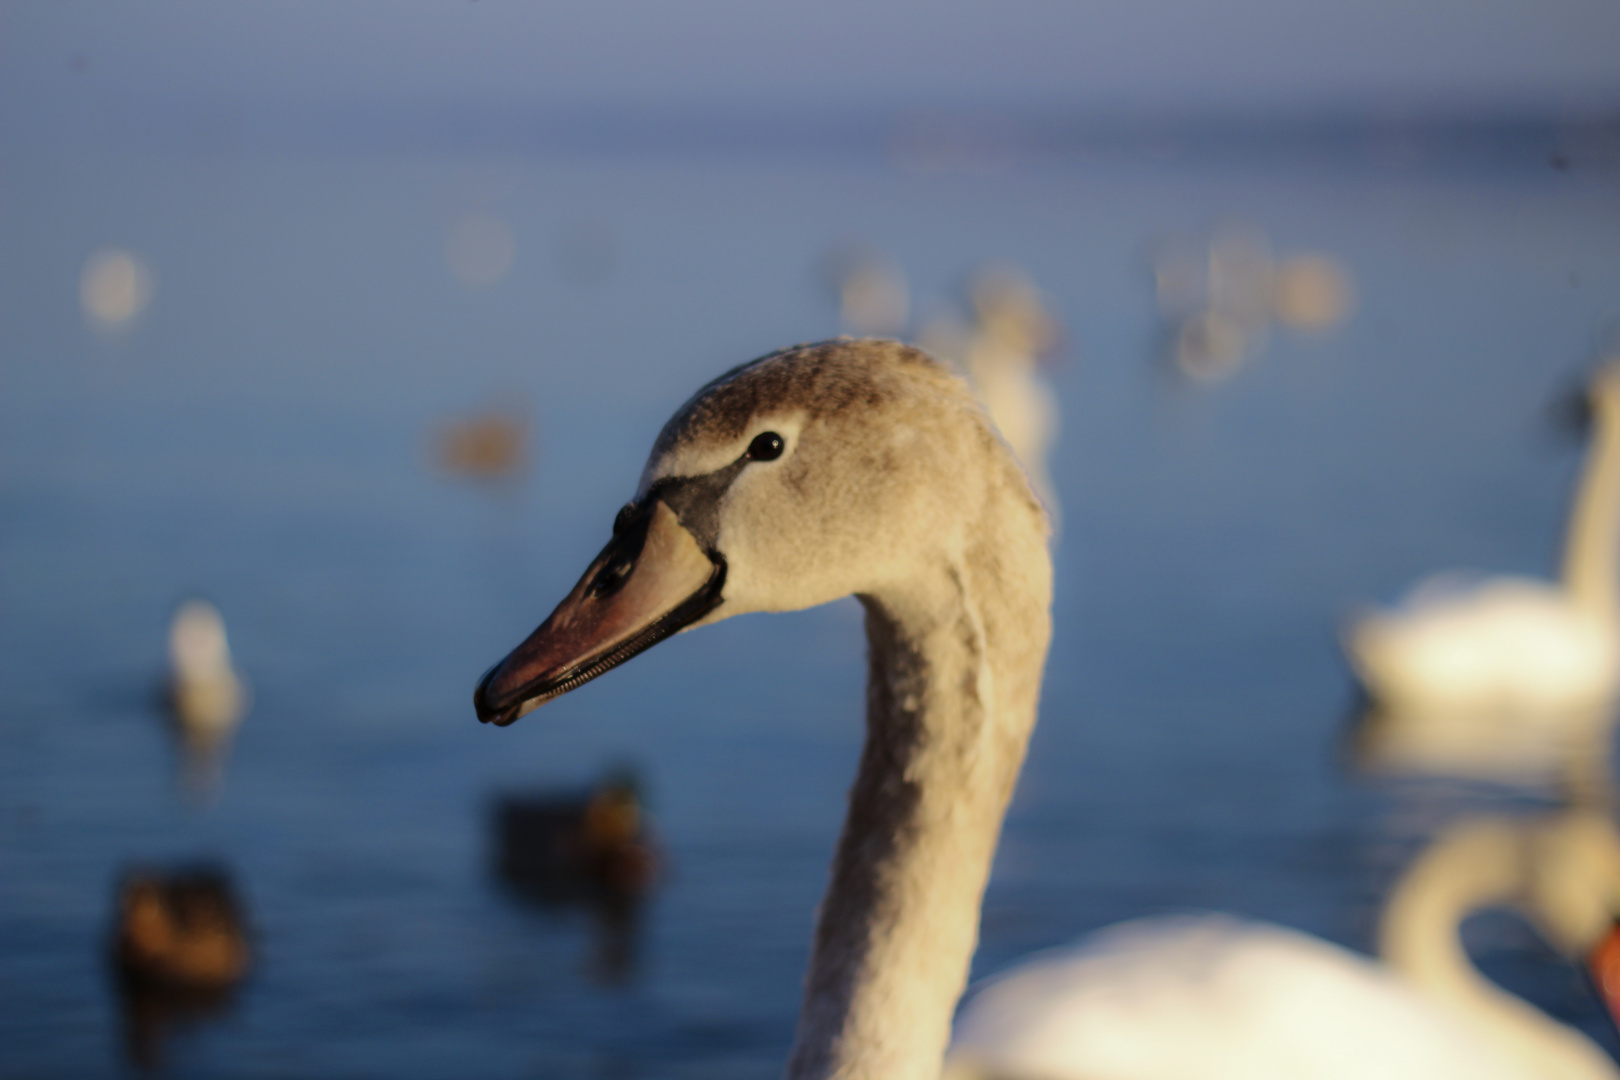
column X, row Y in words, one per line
column 487, row 713
column 569, row 650
column 498, row 717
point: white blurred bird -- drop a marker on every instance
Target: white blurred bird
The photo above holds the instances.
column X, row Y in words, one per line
column 1472, row 674
column 999, row 353
column 206, row 693
column 873, row 297
column 1221, row 294
column 1219, row 998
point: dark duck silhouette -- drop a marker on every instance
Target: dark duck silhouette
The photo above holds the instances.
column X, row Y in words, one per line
column 591, row 849
column 180, row 948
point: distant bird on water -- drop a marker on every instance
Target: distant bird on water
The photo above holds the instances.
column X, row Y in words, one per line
column 484, row 446
column 1498, row 673
column 207, row 695
column 559, row 845
column 873, row 296
column 183, row 929
column 1000, row 354
column 180, row 947
column 1221, row 294
column 593, row 849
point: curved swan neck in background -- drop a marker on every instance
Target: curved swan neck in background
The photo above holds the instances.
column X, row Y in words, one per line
column 954, row 675
column 1591, row 570
column 1476, row 866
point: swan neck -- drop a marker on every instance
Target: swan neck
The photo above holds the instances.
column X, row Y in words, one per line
column 954, row 674
column 1592, row 546
column 1478, row 866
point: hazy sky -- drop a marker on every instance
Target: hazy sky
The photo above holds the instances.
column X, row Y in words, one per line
column 1109, row 55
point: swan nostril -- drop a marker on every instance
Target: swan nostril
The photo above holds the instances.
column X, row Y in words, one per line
column 611, row 577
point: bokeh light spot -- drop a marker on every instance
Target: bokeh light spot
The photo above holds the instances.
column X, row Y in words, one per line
column 114, row 287
column 480, row 250
column 1313, row 292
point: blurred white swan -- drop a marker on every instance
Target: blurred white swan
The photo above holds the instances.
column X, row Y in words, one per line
column 873, row 297
column 1219, row 998
column 999, row 354
column 1221, row 294
column 1481, row 674
column 207, row 695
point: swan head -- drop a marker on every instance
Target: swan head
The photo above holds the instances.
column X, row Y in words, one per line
column 807, row 475
column 1573, row 879
column 1573, row 893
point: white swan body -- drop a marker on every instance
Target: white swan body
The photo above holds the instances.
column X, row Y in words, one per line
column 1210, row 998
column 1217, row 998
column 1508, row 645
column 1488, row 675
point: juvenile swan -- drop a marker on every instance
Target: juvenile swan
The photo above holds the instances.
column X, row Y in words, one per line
column 813, row 473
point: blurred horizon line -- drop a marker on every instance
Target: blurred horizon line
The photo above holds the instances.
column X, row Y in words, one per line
column 939, row 138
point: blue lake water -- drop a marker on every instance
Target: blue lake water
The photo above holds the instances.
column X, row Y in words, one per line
column 263, row 436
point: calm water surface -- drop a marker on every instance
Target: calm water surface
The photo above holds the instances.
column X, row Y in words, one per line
column 263, row 436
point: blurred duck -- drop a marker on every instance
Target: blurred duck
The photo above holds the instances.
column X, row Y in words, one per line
column 206, row 694
column 484, row 446
column 1471, row 675
column 180, row 947
column 1216, row 294
column 592, row 845
column 594, row 850
column 183, row 930
column 1198, row 997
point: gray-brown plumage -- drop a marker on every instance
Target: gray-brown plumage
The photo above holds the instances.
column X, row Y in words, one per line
column 817, row 472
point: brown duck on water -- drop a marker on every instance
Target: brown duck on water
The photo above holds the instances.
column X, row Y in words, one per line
column 183, row 929
column 594, row 845
column 180, row 948
column 592, row 850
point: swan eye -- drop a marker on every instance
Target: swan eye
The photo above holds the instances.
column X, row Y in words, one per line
column 767, row 446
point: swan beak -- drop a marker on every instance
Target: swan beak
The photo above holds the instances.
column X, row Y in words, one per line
column 651, row 580
column 1603, row 964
